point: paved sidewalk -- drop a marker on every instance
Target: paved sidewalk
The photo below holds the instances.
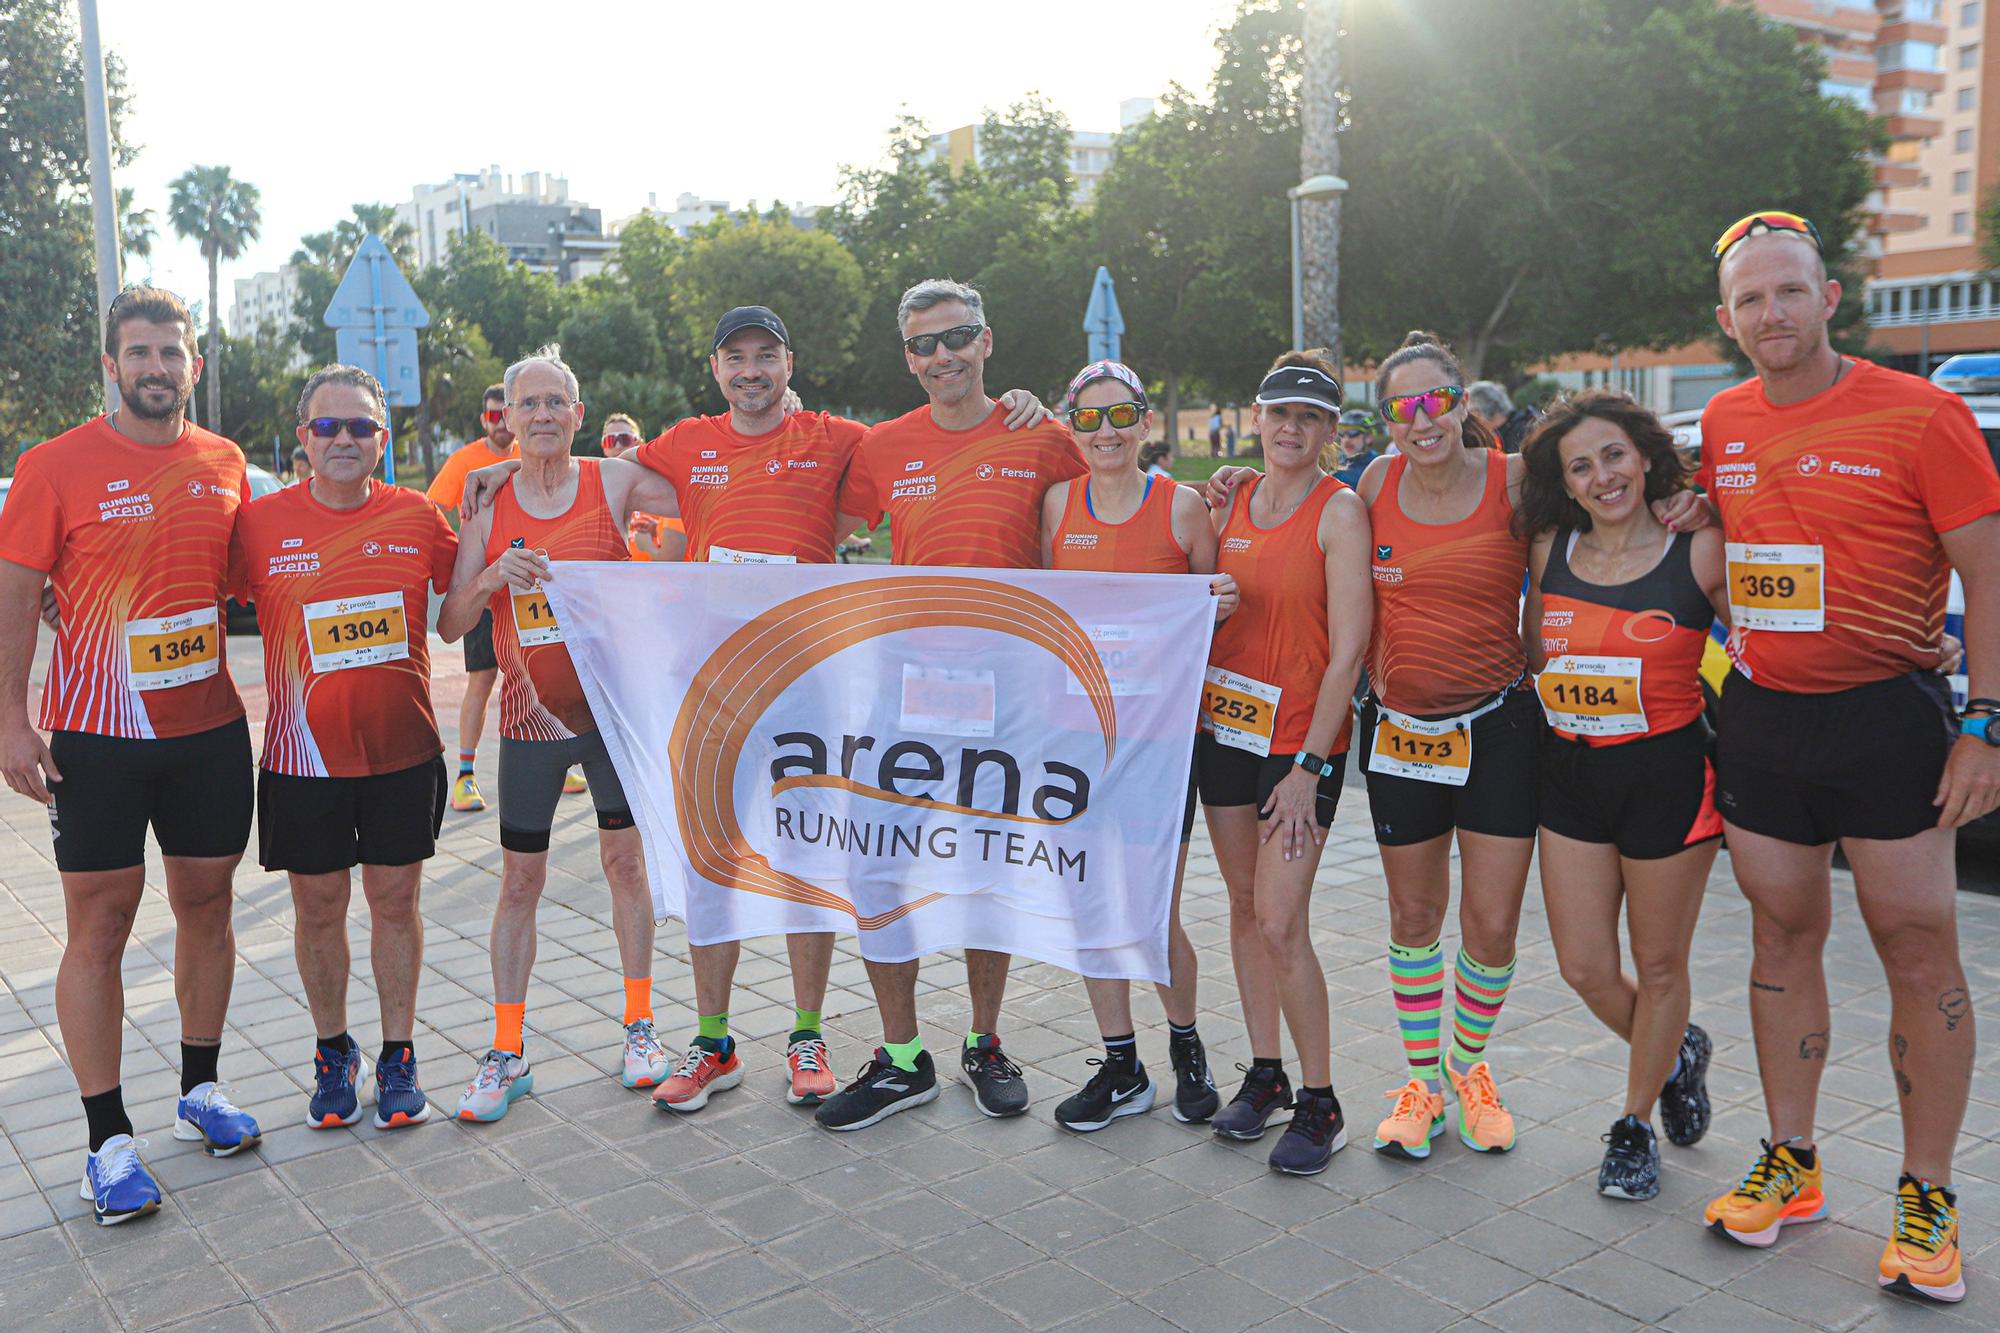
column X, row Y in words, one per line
column 586, row 1208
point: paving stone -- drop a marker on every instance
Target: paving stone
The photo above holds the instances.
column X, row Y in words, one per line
column 1373, row 1303
column 884, row 1288
column 582, row 1274
column 316, row 1305
column 1131, row 1262
column 422, row 1273
column 268, row 1271
column 1645, row 1291
column 639, row 1310
column 1547, row 1309
column 1046, row 1294
column 484, row 1305
column 828, row 1244
column 1291, row 1269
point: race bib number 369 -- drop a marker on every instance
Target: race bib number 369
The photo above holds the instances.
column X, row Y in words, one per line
column 1776, row 587
column 173, row 650
column 347, row 632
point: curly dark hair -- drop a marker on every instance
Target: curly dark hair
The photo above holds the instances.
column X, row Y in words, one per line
column 1423, row 345
column 1545, row 501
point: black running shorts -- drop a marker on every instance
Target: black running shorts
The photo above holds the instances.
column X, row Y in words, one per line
column 194, row 792
column 531, row 783
column 1501, row 792
column 1229, row 776
column 1652, row 797
column 315, row 826
column 1814, row 768
column 479, row 644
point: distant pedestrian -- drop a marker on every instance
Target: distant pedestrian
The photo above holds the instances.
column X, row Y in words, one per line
column 1492, row 405
column 301, row 466
column 1215, row 433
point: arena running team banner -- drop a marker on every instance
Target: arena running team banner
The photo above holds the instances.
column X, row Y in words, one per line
column 924, row 758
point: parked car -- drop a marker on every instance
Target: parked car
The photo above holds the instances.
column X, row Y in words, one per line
column 1969, row 373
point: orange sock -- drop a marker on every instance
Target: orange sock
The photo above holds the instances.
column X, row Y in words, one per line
column 638, row 999
column 507, row 1021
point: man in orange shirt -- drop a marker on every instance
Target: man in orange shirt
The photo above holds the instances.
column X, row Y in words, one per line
column 960, row 489
column 128, row 517
column 340, row 568
column 482, row 668
column 1846, row 493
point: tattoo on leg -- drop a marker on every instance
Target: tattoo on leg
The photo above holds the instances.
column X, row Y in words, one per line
column 1813, row 1045
column 1955, row 1005
column 1902, row 1048
column 1766, row 986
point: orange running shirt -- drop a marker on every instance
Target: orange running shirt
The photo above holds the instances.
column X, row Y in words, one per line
column 773, row 494
column 540, row 697
column 1447, row 600
column 966, row 497
column 1869, row 472
column 1142, row 544
column 1655, row 626
column 447, row 488
column 343, row 603
column 1278, row 634
column 135, row 539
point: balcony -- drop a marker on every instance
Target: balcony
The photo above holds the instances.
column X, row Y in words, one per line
column 1945, row 299
column 1914, row 127
column 1896, row 80
column 1910, row 30
column 1897, row 175
column 1895, row 221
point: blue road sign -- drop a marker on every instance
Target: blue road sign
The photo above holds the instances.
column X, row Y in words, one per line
column 401, row 382
column 1102, row 320
column 376, row 304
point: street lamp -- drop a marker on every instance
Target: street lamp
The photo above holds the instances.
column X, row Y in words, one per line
column 1313, row 187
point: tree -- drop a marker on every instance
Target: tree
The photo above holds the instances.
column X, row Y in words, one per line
column 813, row 283
column 647, row 249
column 1319, row 155
column 655, row 400
column 1494, row 208
column 211, row 207
column 1027, row 147
column 136, row 230
column 322, row 259
column 49, row 374
column 517, row 309
column 260, row 398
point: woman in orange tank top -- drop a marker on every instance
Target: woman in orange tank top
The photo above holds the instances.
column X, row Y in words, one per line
column 1274, row 742
column 1120, row 519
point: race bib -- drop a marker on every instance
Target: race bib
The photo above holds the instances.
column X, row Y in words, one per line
column 1593, row 696
column 348, row 632
column 948, row 700
column 1776, row 587
column 534, row 619
column 1131, row 660
column 1410, row 747
column 173, row 650
column 1239, row 712
column 723, row 555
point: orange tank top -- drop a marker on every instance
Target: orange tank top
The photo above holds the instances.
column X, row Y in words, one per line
column 540, row 697
column 1447, row 600
column 1142, row 544
column 1278, row 635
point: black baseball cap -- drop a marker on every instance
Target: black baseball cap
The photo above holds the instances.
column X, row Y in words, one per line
column 749, row 317
column 1300, row 384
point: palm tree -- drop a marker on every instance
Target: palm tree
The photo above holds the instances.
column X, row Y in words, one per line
column 136, row 231
column 212, row 207
column 1319, row 155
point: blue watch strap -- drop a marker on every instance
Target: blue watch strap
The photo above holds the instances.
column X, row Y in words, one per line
column 1980, row 726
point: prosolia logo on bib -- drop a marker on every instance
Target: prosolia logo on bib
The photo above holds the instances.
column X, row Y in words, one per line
column 939, row 778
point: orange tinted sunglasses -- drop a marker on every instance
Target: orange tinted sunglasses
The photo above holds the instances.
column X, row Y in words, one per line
column 1756, row 224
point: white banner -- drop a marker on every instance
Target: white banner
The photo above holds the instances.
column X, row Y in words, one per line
column 924, row 758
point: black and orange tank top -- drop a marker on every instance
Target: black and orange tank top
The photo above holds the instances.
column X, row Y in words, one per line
column 1624, row 659
column 1278, row 635
column 1142, row 544
column 1447, row 634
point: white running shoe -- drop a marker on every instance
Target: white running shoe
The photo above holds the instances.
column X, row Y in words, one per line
column 646, row 1061
column 502, row 1077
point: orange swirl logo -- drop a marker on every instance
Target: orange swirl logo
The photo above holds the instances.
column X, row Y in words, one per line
column 750, row 670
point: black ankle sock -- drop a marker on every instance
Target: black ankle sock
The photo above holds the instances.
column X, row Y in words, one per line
column 1805, row 1157
column 104, row 1113
column 805, row 1034
column 393, row 1050
column 342, row 1043
column 1326, row 1092
column 1275, row 1066
column 198, row 1065
column 1177, row 1033
column 1122, row 1053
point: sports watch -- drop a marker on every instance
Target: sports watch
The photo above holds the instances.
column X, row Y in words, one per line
column 1980, row 723
column 1320, row 768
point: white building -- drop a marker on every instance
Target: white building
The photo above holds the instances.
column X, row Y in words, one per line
column 1090, row 153
column 439, row 212
column 264, row 302
column 689, row 212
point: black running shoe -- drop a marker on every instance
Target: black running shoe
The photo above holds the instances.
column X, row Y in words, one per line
column 1195, row 1097
column 1316, row 1133
column 879, row 1091
column 997, row 1089
column 1264, row 1093
column 1684, row 1110
column 1631, row 1167
column 1112, row 1092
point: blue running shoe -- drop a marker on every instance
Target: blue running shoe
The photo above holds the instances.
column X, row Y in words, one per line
column 207, row 1117
column 398, row 1099
column 335, row 1100
column 116, row 1182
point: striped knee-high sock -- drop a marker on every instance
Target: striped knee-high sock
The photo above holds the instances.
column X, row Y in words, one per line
column 1481, row 990
column 1417, row 976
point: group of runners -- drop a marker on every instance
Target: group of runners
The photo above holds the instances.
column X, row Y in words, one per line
column 1385, row 617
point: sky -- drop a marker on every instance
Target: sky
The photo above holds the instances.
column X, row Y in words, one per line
column 324, row 106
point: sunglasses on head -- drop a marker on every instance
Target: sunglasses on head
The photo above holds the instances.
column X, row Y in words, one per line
column 620, row 441
column 1757, row 224
column 1352, row 433
column 923, row 344
column 494, row 415
column 360, row 428
column 1433, row 403
column 1122, row 416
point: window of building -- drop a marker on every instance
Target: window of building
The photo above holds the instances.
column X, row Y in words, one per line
column 1968, row 14
column 1961, row 182
column 1968, row 56
column 1961, row 224
column 1909, row 55
column 1965, row 98
column 1914, row 101
column 1924, row 181
column 1961, row 140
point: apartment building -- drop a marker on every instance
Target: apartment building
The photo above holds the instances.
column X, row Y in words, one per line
column 1091, row 151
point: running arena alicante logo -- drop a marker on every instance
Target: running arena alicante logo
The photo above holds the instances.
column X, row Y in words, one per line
column 749, row 671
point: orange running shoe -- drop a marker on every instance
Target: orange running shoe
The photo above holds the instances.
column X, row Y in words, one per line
column 1484, row 1122
column 1416, row 1119
column 812, row 1077
column 1921, row 1258
column 700, row 1072
column 1778, row 1192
